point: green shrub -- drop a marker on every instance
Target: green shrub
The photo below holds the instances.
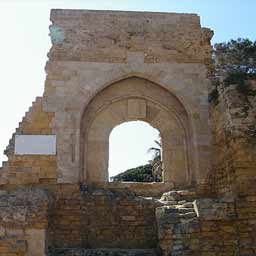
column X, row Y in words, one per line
column 214, row 96
column 141, row 173
column 241, row 80
column 235, row 78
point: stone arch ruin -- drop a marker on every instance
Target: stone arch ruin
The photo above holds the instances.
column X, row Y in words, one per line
column 105, row 68
column 134, row 99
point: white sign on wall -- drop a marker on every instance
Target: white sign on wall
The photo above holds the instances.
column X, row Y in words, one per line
column 35, row 144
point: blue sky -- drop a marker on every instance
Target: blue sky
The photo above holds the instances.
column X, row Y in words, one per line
column 24, row 45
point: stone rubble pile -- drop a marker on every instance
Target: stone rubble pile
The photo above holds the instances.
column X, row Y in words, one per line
column 205, row 226
column 23, row 220
column 176, row 220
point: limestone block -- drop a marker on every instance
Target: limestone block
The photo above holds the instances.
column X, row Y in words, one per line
column 36, row 240
column 14, row 232
column 214, row 209
column 2, row 231
column 136, row 109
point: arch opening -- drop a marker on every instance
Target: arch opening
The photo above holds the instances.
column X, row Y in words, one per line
column 135, row 153
column 136, row 99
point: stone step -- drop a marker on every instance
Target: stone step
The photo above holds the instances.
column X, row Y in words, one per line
column 179, row 195
column 180, row 210
column 168, row 202
column 102, row 252
column 185, row 210
column 187, row 205
column 188, row 215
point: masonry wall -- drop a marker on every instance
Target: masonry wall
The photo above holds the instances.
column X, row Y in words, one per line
column 102, row 219
column 212, row 231
column 107, row 36
column 38, row 221
column 24, row 221
column 91, row 51
column 222, row 219
column 234, row 126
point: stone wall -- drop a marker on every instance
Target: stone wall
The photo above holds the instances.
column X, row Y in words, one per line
column 220, row 219
column 36, row 221
column 47, row 202
column 206, row 226
column 234, row 127
column 102, row 218
column 73, row 220
column 30, row 169
column 23, row 222
column 94, row 50
column 107, row 36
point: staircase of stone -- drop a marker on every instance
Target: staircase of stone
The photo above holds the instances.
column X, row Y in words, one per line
column 10, row 148
column 176, row 221
column 102, row 252
column 3, row 172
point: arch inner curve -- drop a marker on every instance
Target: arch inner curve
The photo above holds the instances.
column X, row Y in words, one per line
column 135, row 99
column 135, row 144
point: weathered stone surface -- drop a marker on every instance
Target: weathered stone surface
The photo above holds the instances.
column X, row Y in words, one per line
column 106, row 36
column 106, row 68
column 209, row 228
column 98, row 78
column 101, row 252
column 24, row 208
column 215, row 209
column 233, row 119
column 178, row 195
column 12, row 247
column 103, row 219
column 36, row 242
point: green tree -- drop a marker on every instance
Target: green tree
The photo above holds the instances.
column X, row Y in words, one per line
column 236, row 54
column 141, row 173
column 235, row 59
column 145, row 173
column 156, row 161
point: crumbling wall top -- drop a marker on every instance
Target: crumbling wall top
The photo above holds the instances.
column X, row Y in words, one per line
column 106, row 36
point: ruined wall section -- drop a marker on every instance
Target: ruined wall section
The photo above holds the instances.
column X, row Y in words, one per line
column 206, row 226
column 94, row 49
column 106, row 36
column 28, row 169
column 102, row 218
column 233, row 115
column 24, row 221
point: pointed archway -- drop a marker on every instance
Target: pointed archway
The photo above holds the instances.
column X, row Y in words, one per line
column 130, row 100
